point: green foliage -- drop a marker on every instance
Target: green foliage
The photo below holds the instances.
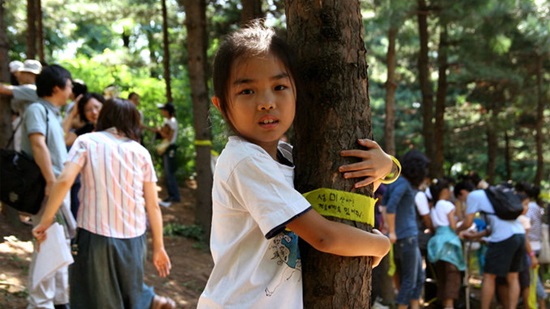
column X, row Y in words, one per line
column 194, row 232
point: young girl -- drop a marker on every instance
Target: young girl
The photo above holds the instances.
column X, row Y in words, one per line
column 257, row 213
column 445, row 248
column 118, row 195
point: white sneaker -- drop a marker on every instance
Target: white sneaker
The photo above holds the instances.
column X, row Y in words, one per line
column 378, row 305
column 165, row 204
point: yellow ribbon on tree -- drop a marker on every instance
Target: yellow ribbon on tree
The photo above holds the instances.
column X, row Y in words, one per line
column 343, row 205
column 203, row 142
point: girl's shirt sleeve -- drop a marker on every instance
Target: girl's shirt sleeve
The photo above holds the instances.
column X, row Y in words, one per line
column 265, row 189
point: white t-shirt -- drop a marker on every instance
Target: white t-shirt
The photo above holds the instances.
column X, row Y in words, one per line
column 173, row 124
column 256, row 261
column 478, row 201
column 440, row 213
column 422, row 204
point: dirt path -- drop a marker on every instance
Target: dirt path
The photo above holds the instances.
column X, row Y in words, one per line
column 191, row 261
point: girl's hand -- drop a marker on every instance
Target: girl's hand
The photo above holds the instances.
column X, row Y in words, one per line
column 162, row 262
column 375, row 163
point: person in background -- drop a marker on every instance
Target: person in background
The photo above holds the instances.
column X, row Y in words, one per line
column 403, row 229
column 505, row 248
column 23, row 94
column 445, row 248
column 169, row 133
column 118, row 199
column 135, row 98
column 14, row 68
column 86, row 110
column 79, row 89
column 43, row 139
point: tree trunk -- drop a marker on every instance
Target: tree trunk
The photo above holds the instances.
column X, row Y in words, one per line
column 40, row 32
column 391, row 87
column 196, row 45
column 425, row 84
column 31, row 29
column 333, row 111
column 10, row 215
column 251, row 9
column 539, row 136
column 166, row 48
column 439, row 126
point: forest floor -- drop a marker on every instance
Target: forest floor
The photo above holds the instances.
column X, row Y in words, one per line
column 191, row 260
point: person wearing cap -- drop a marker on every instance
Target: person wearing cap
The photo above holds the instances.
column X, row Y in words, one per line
column 14, row 68
column 23, row 94
column 168, row 133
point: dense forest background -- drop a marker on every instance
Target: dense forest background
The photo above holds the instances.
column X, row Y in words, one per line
column 466, row 82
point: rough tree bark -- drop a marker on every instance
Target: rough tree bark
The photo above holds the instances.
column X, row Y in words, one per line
column 424, row 80
column 31, row 29
column 441, row 95
column 539, row 136
column 391, row 88
column 333, row 111
column 252, row 9
column 166, row 49
column 196, row 45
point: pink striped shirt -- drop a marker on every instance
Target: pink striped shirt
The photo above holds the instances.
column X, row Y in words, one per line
column 113, row 172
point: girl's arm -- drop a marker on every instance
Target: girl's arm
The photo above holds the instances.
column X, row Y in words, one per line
column 60, row 188
column 375, row 164
column 452, row 219
column 338, row 238
column 160, row 257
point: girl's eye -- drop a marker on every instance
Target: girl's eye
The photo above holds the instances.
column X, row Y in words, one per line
column 246, row 91
column 280, row 87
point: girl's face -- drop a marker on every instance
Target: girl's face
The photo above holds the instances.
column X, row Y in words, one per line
column 92, row 109
column 445, row 194
column 261, row 99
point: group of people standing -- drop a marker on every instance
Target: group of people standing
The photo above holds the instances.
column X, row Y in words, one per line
column 98, row 141
column 430, row 220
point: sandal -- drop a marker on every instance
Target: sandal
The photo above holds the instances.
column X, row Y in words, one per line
column 161, row 302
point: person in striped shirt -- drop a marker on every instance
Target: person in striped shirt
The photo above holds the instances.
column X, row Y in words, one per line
column 117, row 197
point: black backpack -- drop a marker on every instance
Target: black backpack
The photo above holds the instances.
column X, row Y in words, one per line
column 505, row 201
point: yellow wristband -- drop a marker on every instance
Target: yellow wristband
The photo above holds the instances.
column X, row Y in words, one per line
column 393, row 175
column 200, row 142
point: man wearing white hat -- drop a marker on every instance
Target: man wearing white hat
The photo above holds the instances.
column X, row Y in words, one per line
column 23, row 94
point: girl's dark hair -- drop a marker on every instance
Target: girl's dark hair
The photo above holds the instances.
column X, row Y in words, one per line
column 437, row 186
column 415, row 167
column 121, row 114
column 84, row 100
column 250, row 41
column 50, row 77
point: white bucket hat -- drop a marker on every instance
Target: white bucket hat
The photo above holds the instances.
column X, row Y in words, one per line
column 31, row 66
column 15, row 66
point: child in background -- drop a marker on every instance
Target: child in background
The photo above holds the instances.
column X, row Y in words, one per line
column 257, row 214
column 118, row 195
column 445, row 248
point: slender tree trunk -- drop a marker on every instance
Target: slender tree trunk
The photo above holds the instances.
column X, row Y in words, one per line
column 425, row 84
column 31, row 29
column 40, row 31
column 252, row 9
column 494, row 107
column 333, row 111
column 196, row 45
column 10, row 214
column 391, row 87
column 507, row 155
column 441, row 96
column 166, row 48
column 539, row 136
